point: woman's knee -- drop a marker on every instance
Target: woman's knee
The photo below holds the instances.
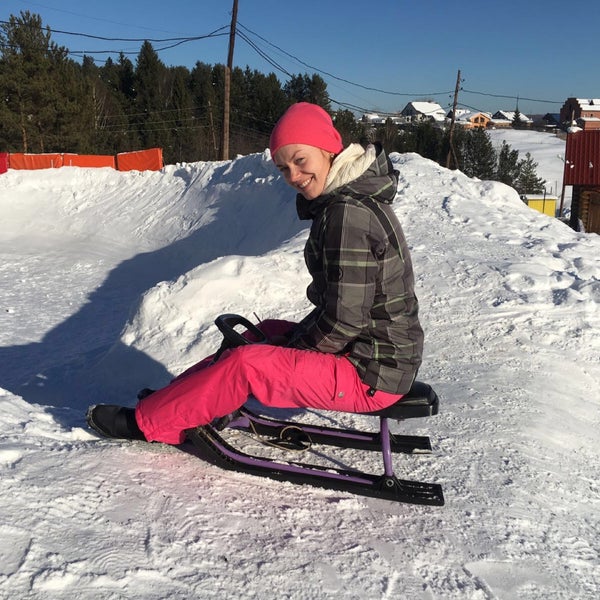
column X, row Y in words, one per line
column 274, row 327
column 270, row 362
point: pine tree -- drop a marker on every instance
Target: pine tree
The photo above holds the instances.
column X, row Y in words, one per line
column 126, row 79
column 427, row 138
column 528, row 181
column 517, row 123
column 41, row 86
column 258, row 102
column 73, row 127
column 507, row 170
column 318, row 92
column 113, row 92
column 350, row 129
column 459, row 136
column 478, row 155
column 296, row 89
column 303, row 88
column 150, row 101
column 180, row 118
column 208, row 114
column 271, row 101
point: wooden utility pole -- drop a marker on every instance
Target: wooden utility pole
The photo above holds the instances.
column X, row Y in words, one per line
column 227, row 90
column 452, row 152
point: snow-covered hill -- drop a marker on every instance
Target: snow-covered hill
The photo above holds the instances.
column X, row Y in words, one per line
column 111, row 281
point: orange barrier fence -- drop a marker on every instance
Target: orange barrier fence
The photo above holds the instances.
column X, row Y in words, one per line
column 89, row 160
column 34, row 161
column 142, row 160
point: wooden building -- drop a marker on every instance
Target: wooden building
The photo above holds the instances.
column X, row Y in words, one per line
column 505, row 118
column 471, row 119
column 582, row 172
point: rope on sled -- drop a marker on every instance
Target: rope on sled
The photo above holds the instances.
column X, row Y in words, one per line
column 296, row 439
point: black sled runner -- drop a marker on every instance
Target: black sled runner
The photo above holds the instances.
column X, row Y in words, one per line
column 421, row 401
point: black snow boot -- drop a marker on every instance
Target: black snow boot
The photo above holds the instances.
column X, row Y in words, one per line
column 145, row 393
column 114, row 421
column 221, row 423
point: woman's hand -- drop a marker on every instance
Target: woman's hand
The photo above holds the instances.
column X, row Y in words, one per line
column 278, row 340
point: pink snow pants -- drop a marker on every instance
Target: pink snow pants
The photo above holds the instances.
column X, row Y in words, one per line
column 276, row 376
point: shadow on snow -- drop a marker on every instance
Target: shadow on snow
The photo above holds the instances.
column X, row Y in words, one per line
column 82, row 360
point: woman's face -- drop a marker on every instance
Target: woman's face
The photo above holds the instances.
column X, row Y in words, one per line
column 304, row 167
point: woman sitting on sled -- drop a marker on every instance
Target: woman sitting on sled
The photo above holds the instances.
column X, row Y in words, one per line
column 360, row 347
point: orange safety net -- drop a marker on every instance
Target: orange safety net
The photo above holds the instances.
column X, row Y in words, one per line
column 89, row 160
column 142, row 160
column 35, row 161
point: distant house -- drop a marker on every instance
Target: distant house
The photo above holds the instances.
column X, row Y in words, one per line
column 424, row 111
column 459, row 112
column 551, row 121
column 582, row 112
column 470, row 119
column 582, row 171
column 505, row 118
column 373, row 118
column 376, row 119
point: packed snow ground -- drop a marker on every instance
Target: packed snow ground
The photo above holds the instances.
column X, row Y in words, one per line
column 111, row 281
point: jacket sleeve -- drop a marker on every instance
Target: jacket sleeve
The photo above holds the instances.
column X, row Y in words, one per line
column 346, row 279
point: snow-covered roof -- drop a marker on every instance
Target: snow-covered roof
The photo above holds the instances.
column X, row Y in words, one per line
column 379, row 119
column 467, row 115
column 429, row 109
column 509, row 115
column 591, row 104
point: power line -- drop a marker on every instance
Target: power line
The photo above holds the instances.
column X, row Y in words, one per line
column 91, row 52
column 265, row 56
column 511, row 97
column 364, row 87
column 222, row 31
column 118, row 39
column 110, row 21
column 369, row 88
column 177, row 41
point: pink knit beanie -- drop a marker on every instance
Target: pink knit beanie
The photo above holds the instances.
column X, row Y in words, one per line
column 305, row 123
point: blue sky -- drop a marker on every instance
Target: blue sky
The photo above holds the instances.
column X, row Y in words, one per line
column 530, row 49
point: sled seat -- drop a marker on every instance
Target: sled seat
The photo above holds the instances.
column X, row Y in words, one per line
column 421, row 401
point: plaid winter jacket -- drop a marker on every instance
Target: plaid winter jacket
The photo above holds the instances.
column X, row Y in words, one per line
column 362, row 280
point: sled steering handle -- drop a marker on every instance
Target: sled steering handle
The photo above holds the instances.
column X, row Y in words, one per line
column 227, row 324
